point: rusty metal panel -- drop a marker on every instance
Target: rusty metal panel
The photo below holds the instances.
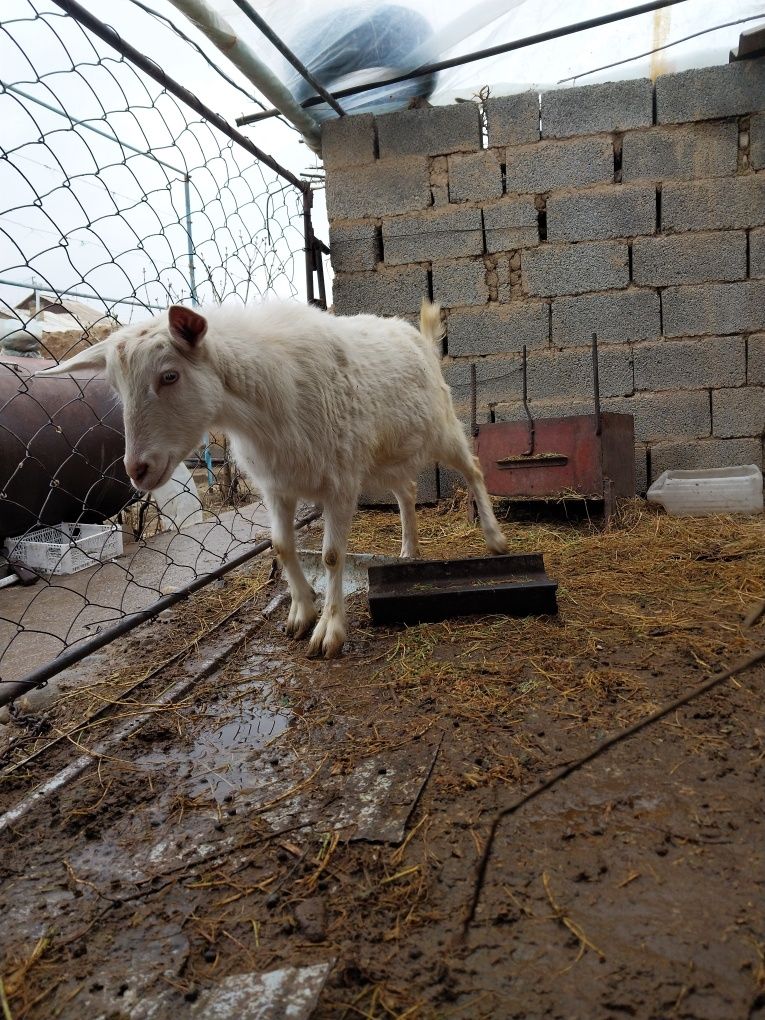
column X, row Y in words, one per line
column 427, row 590
column 619, row 452
column 566, row 458
column 569, row 457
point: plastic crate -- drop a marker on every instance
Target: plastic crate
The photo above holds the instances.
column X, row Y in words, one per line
column 66, row 548
column 729, row 490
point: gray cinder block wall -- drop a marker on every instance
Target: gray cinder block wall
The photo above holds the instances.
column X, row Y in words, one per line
column 632, row 209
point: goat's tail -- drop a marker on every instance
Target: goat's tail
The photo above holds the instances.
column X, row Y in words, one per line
column 431, row 326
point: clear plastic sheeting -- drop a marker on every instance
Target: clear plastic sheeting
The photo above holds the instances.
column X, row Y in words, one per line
column 349, row 43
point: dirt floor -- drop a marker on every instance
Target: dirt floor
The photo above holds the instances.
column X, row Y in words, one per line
column 283, row 813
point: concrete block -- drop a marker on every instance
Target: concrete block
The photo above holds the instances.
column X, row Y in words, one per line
column 496, row 380
column 547, row 166
column 511, row 224
column 641, row 469
column 353, row 246
column 575, row 268
column 690, row 364
column 757, row 141
column 386, row 292
column 427, row 492
column 613, row 210
column 755, row 360
column 707, row 93
column 348, row 141
column 497, row 329
column 441, row 234
column 666, row 415
column 432, row 131
column 714, row 308
column 449, row 482
column 704, row 453
column 689, row 258
column 617, row 317
column 460, row 283
column 680, row 153
column 738, row 412
column 757, row 252
column 591, row 109
column 734, row 202
column 513, row 120
column 385, row 188
column 568, row 373
column 475, row 177
column 568, row 407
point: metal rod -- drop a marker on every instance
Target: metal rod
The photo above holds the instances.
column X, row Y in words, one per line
column 309, row 245
column 77, row 293
column 11, row 690
column 113, row 39
column 532, row 430
column 88, row 127
column 596, row 383
column 319, row 263
column 246, row 8
column 473, row 401
column 190, row 239
column 221, row 34
column 493, row 51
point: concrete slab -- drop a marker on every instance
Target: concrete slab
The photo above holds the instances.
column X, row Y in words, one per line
column 38, row 622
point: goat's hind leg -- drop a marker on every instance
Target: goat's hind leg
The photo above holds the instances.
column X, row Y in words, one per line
column 456, row 453
column 330, row 632
column 406, row 497
column 302, row 612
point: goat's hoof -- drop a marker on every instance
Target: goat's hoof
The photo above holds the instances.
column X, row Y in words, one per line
column 300, row 619
column 497, row 544
column 327, row 640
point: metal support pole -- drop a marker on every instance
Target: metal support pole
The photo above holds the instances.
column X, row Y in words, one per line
column 222, row 35
column 310, row 253
column 190, row 239
column 319, row 263
column 493, row 51
column 113, row 39
column 532, row 430
column 473, row 401
column 246, row 8
column 596, row 383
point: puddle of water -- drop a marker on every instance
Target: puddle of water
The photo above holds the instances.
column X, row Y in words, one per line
column 219, row 761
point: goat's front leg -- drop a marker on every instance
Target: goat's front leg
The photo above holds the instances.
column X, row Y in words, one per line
column 330, row 632
column 302, row 612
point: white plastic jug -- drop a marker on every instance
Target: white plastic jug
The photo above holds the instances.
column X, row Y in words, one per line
column 728, row 490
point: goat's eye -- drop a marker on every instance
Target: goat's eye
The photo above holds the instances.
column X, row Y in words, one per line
column 168, row 378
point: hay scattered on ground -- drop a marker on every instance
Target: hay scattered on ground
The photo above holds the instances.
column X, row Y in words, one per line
column 646, row 608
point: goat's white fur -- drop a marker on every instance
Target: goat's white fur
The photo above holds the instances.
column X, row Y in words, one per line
column 316, row 406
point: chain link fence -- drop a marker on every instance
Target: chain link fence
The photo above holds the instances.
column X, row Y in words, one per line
column 117, row 198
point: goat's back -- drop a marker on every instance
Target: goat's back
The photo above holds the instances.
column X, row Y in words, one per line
column 336, row 395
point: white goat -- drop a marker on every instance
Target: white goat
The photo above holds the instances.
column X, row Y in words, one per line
column 315, row 405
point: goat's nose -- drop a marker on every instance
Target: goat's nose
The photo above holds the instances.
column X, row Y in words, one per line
column 137, row 469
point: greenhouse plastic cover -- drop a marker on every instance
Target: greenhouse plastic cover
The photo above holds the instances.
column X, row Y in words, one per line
column 358, row 41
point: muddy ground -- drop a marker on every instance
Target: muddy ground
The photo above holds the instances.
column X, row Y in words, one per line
column 289, row 813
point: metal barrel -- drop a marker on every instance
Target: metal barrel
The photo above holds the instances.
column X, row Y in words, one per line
column 61, row 448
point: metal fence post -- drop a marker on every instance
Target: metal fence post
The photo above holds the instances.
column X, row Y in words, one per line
column 207, row 455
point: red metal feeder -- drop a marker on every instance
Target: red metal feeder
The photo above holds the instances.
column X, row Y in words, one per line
column 582, row 457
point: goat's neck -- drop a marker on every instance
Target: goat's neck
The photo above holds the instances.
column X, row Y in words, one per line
column 252, row 404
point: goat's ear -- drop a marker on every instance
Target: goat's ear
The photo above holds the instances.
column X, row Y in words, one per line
column 187, row 327
column 92, row 358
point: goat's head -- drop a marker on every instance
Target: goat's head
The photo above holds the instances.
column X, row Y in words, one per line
column 170, row 392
